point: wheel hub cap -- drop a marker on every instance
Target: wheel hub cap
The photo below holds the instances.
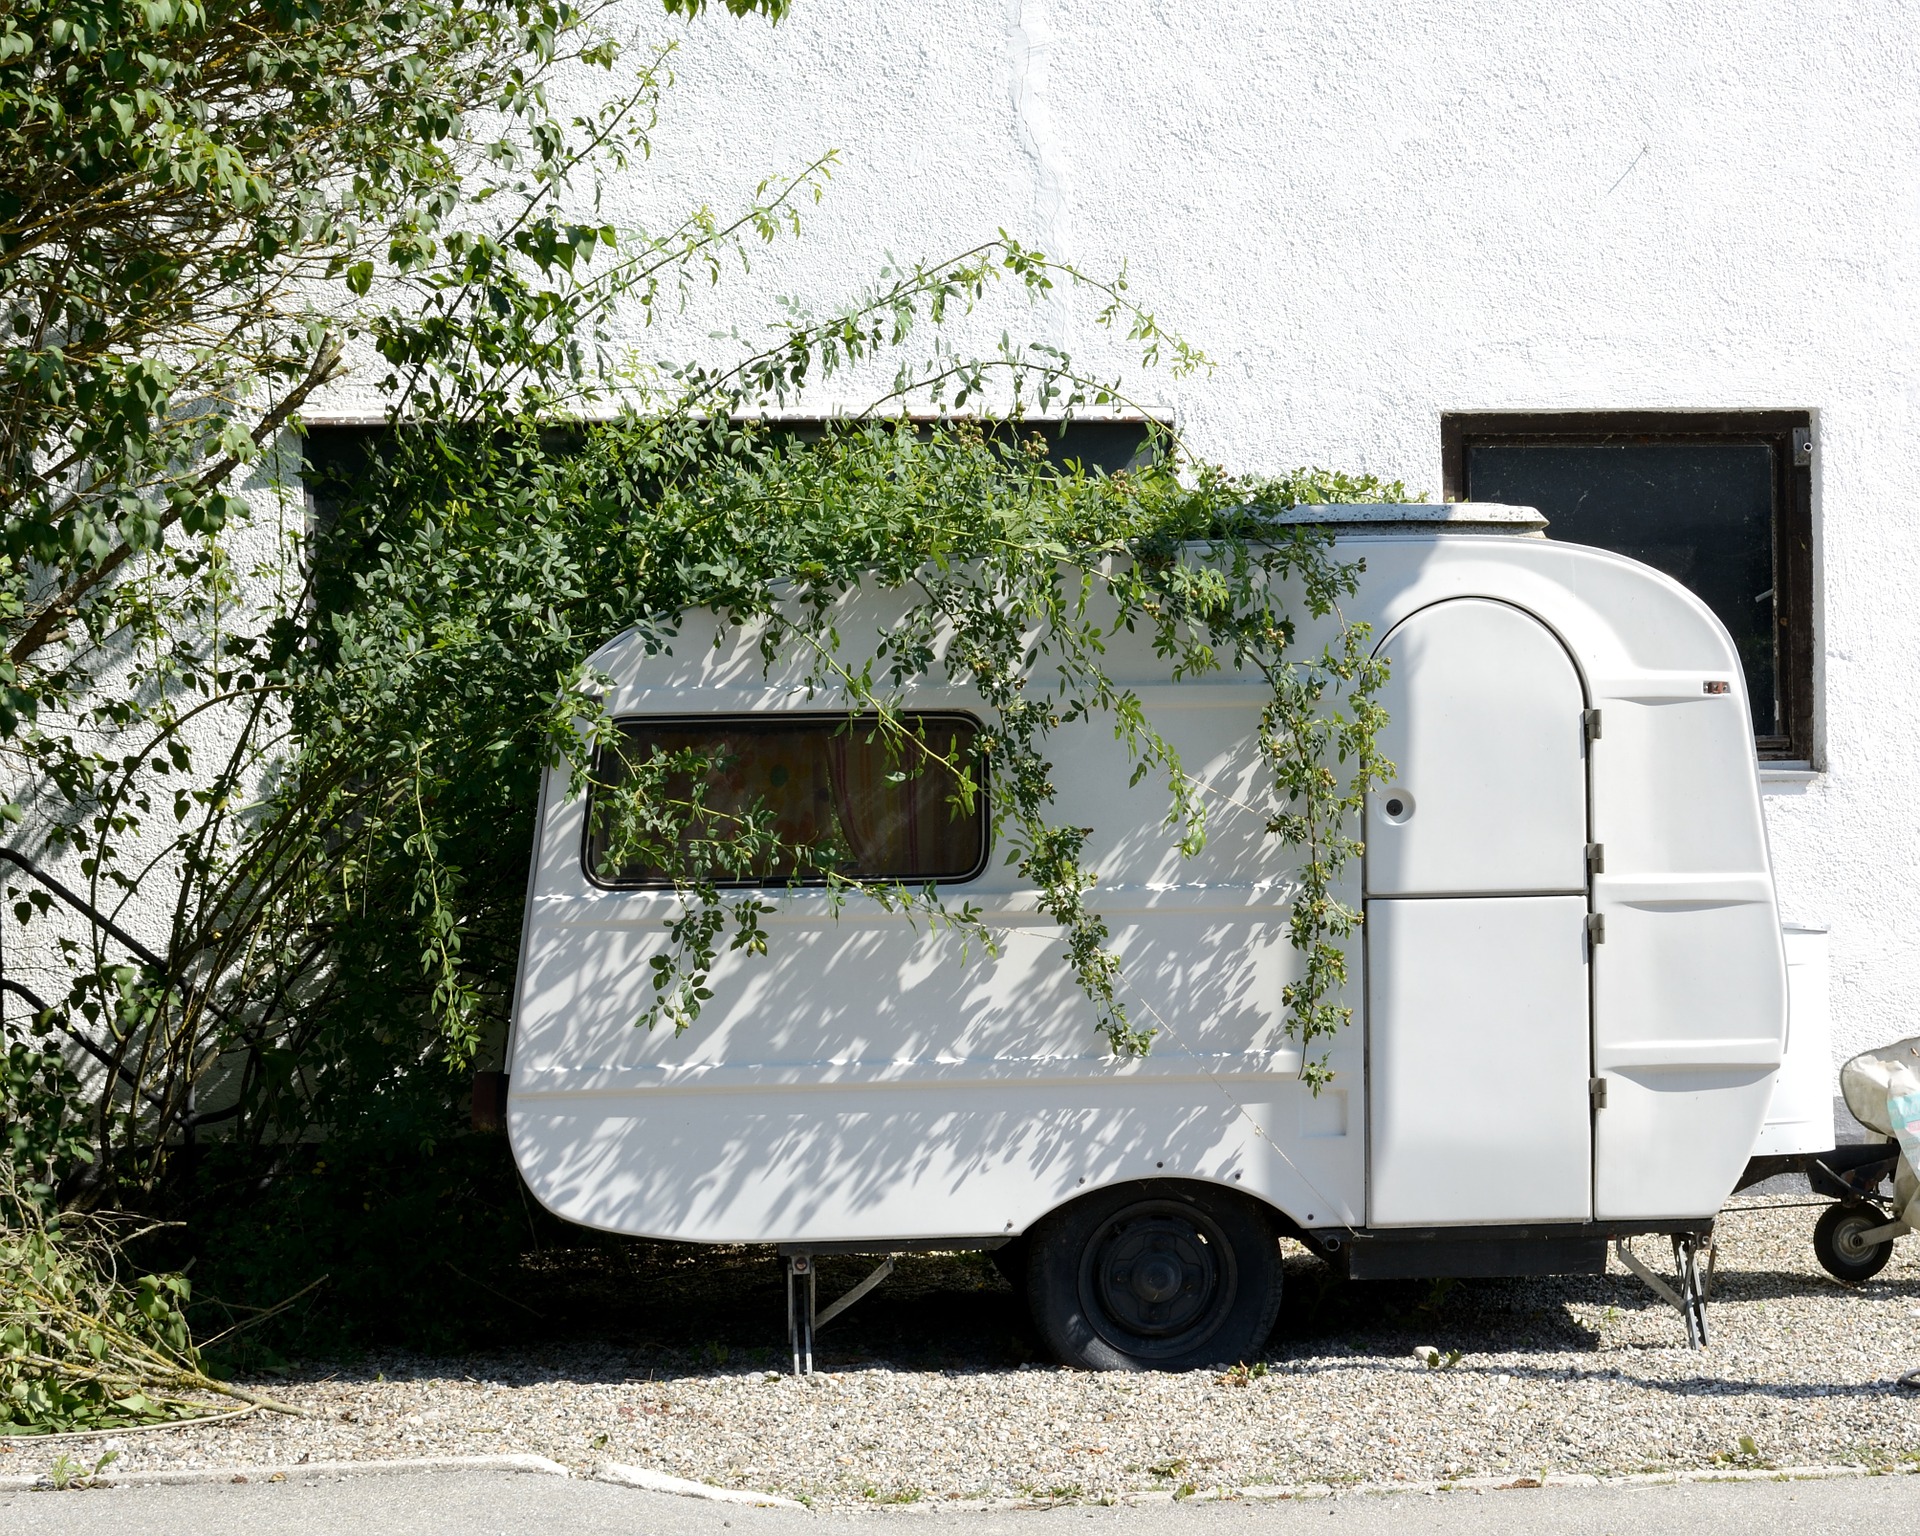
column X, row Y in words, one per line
column 1157, row 1275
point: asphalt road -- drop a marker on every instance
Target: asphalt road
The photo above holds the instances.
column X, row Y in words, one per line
column 510, row 1504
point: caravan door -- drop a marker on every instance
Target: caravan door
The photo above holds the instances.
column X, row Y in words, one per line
column 1478, row 1037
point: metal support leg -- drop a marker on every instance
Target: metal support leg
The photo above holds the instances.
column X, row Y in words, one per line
column 1690, row 1298
column 881, row 1271
column 800, row 1322
column 1693, row 1296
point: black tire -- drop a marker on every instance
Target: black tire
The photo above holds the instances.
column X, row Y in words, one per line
column 1159, row 1276
column 1837, row 1245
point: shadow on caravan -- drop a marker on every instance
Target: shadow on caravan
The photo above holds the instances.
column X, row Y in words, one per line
column 1569, row 994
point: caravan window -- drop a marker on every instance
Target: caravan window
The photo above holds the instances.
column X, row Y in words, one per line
column 748, row 795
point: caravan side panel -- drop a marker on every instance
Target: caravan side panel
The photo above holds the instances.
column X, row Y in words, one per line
column 868, row 1079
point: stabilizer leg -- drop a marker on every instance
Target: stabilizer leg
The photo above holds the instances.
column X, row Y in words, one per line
column 1693, row 1295
column 1691, row 1298
column 800, row 1315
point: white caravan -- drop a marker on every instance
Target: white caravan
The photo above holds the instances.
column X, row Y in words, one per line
column 1569, row 994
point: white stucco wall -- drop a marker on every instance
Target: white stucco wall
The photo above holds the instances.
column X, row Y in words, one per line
column 1370, row 214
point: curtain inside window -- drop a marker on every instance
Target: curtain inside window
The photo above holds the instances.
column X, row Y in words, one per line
column 829, row 789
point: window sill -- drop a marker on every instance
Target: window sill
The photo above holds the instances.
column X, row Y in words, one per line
column 1788, row 774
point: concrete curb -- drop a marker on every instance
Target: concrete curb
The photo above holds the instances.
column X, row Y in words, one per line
column 1501, row 1483
column 607, row 1472
column 650, row 1481
column 659, row 1482
column 283, row 1471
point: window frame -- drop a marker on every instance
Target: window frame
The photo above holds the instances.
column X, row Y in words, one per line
column 796, row 716
column 1792, row 514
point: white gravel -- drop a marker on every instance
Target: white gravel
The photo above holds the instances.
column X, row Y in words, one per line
column 1575, row 1375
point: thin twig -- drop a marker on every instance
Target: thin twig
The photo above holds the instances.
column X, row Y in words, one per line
column 262, row 1314
column 138, row 1429
column 485, row 1287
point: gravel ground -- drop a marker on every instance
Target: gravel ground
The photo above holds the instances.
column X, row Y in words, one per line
column 927, row 1397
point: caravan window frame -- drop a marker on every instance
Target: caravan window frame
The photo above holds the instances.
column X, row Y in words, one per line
column 765, row 718
column 1792, row 530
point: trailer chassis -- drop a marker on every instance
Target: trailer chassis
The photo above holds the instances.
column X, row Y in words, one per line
column 1426, row 1253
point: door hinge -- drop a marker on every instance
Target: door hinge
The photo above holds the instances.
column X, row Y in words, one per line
column 1597, row 1091
column 1596, row 928
column 1803, row 445
column 1596, row 858
column 1590, row 721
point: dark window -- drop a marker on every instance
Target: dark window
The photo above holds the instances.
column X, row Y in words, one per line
column 1108, row 445
column 1720, row 502
column 832, row 785
column 337, row 453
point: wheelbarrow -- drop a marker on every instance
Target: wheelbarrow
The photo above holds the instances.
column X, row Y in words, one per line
column 1855, row 1235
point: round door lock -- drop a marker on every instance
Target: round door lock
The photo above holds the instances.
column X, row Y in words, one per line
column 1398, row 806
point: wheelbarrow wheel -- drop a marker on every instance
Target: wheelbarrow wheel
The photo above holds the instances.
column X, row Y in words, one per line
column 1838, row 1243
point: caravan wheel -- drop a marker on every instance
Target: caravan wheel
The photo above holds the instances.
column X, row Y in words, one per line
column 1156, row 1276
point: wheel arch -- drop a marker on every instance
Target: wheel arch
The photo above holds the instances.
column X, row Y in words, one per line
column 1284, row 1223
